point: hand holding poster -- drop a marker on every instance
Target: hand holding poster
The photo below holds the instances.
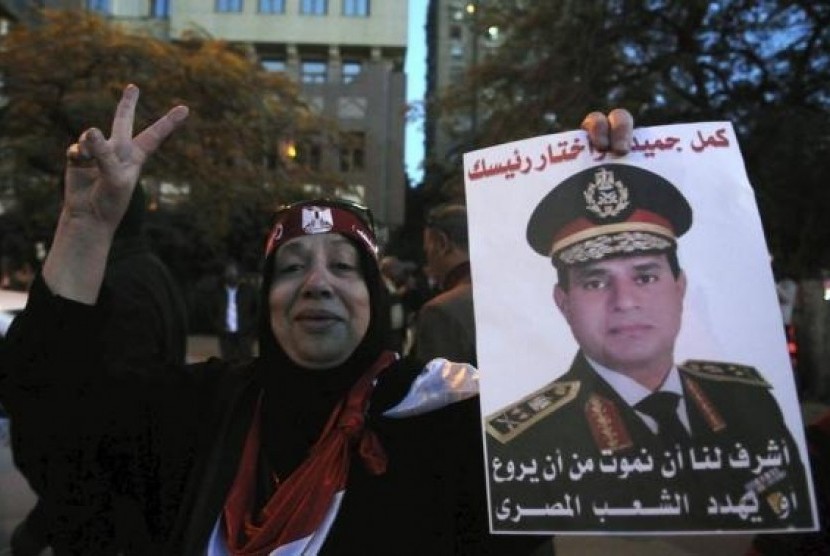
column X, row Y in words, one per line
column 634, row 373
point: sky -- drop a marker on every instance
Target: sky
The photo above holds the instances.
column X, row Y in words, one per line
column 416, row 63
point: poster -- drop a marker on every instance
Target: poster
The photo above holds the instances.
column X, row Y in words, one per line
column 569, row 446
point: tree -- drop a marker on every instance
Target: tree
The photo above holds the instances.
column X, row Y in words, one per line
column 764, row 65
column 66, row 73
column 551, row 66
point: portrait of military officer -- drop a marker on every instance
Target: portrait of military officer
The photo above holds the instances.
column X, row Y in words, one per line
column 629, row 439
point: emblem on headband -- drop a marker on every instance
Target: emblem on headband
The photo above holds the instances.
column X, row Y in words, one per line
column 317, row 220
column 606, row 197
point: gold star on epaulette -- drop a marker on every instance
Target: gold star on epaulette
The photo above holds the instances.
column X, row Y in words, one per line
column 506, row 424
column 727, row 372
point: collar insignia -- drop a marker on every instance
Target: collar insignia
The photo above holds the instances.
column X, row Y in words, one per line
column 704, row 404
column 607, row 425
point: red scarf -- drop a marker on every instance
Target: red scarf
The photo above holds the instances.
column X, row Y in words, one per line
column 298, row 505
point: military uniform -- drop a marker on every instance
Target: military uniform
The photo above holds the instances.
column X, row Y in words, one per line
column 574, row 456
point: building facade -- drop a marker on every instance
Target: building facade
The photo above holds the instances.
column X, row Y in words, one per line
column 456, row 41
column 348, row 56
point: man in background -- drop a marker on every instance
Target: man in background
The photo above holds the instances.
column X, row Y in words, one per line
column 234, row 314
column 445, row 325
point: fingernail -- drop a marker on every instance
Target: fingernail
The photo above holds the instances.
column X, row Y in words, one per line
column 179, row 113
column 94, row 135
column 621, row 145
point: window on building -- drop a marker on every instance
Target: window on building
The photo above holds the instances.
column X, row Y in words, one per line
column 455, row 32
column 314, row 7
column 312, row 71
column 160, row 9
column 352, row 107
column 273, row 64
column 309, row 155
column 352, row 151
column 351, row 70
column 228, row 6
column 101, row 6
column 312, row 190
column 272, row 6
column 356, row 8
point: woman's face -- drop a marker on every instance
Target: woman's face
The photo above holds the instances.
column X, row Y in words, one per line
column 318, row 301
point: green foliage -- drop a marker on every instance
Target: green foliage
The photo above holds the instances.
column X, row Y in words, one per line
column 66, row 74
column 764, row 65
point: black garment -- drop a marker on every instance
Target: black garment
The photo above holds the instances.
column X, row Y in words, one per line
column 186, row 427
column 577, row 444
column 146, row 328
column 234, row 346
column 148, row 319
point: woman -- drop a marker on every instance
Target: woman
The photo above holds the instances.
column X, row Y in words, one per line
column 324, row 444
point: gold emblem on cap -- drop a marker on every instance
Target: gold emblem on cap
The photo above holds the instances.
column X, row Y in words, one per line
column 606, row 196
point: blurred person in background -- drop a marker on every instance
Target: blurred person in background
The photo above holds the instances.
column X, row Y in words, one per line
column 394, row 276
column 445, row 324
column 234, row 311
column 17, row 264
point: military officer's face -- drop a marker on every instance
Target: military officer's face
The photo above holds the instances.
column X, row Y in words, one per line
column 625, row 312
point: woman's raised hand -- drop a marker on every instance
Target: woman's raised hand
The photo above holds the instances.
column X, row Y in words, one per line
column 101, row 172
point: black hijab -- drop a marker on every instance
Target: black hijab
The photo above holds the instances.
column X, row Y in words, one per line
column 297, row 401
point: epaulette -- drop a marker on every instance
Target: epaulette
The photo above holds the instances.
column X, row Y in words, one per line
column 509, row 422
column 726, row 372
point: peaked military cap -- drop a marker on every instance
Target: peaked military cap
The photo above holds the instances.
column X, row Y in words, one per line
column 605, row 211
